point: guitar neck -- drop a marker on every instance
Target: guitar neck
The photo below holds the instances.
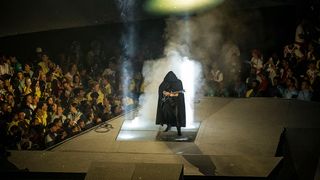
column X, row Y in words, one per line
column 175, row 92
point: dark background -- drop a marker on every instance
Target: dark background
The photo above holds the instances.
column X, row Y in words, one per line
column 53, row 25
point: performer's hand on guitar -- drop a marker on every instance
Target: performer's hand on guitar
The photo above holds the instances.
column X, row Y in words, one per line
column 166, row 93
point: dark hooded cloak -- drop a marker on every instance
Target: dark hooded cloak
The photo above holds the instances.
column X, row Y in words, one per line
column 171, row 111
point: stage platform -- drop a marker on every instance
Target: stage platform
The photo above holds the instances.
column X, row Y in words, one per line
column 232, row 137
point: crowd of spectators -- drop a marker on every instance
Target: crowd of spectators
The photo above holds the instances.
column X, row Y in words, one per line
column 48, row 99
column 292, row 74
column 45, row 101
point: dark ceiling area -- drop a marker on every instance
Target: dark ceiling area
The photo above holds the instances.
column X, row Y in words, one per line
column 21, row 17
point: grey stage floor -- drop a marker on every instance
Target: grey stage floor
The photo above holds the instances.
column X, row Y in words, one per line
column 235, row 137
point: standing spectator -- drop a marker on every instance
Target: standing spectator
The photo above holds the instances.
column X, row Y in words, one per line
column 316, row 89
column 35, row 101
column 52, row 110
column 50, row 103
column 66, row 94
column 107, row 87
column 264, row 84
column 37, row 56
column 75, row 54
column 256, row 60
column 19, row 83
column 95, row 87
column 14, row 137
column 112, row 75
column 78, row 95
column 290, row 74
column 43, row 85
column 230, row 59
column 95, row 106
column 138, row 79
column 271, row 67
column 24, row 127
column 10, row 100
column 28, row 86
column 15, row 64
column 77, row 81
column 5, row 116
column 41, row 114
column 73, row 70
column 106, row 108
column 56, row 87
column 27, row 106
column 216, row 78
column 13, row 122
column 44, row 63
column 284, row 71
column 4, row 66
column 312, row 71
column 27, row 70
column 300, row 32
column 311, row 54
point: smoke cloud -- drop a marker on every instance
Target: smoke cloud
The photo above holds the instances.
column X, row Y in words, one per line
column 192, row 45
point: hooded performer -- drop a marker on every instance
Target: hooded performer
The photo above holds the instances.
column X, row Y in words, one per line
column 171, row 107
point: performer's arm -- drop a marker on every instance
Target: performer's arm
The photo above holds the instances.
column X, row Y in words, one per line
column 174, row 94
column 171, row 94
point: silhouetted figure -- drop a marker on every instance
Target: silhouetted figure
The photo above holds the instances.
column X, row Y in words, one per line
column 171, row 106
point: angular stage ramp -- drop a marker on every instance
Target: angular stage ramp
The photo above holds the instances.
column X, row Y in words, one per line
column 233, row 137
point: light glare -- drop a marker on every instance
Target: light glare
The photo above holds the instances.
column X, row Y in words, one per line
column 179, row 6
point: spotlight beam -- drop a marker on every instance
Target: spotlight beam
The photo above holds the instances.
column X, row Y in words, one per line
column 179, row 6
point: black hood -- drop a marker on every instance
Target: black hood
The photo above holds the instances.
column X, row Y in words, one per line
column 170, row 77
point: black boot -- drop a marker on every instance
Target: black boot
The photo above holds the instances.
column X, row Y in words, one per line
column 179, row 130
column 168, row 128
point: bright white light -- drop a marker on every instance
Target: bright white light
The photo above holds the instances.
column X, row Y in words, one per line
column 191, row 125
column 134, row 123
column 188, row 79
column 188, row 71
column 139, row 123
column 179, row 6
column 126, row 136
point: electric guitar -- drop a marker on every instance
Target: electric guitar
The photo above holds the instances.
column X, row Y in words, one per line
column 171, row 94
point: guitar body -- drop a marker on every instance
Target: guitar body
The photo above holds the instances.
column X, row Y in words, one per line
column 171, row 95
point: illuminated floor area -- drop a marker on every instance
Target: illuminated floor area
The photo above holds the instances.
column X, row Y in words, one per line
column 236, row 137
column 134, row 128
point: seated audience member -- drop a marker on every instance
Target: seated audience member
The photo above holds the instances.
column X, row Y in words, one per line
column 50, row 137
column 253, row 91
column 239, row 89
column 290, row 91
column 74, row 114
column 275, row 90
column 59, row 113
column 305, row 93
